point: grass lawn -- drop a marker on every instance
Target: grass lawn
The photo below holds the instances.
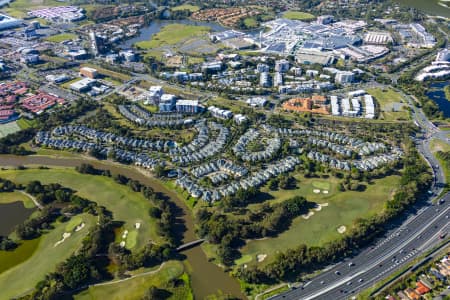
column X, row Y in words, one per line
column 189, row 7
column 23, row 277
column 342, row 209
column 10, row 197
column 387, row 99
column 126, row 205
column 298, row 15
column 251, row 22
column 58, row 38
column 25, row 123
column 8, row 128
column 173, row 34
column 9, row 259
column 438, row 145
column 136, row 287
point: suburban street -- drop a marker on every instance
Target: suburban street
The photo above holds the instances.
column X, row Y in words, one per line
column 418, row 233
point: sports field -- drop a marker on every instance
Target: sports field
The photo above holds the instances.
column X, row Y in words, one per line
column 42, row 258
column 298, row 15
column 126, row 205
column 339, row 208
column 8, row 128
column 135, row 288
column 392, row 106
column 61, row 37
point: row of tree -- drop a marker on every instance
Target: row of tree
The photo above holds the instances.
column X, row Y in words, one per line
column 269, row 221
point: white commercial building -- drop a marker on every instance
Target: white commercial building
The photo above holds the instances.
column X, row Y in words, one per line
column 344, row 77
column 335, row 106
column 369, row 107
column 378, row 38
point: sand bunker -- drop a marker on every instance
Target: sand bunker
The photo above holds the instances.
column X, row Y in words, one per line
column 79, row 227
column 124, row 235
column 65, row 236
column 342, row 229
column 138, row 225
column 307, row 216
column 261, row 257
column 316, row 191
column 325, row 192
column 122, row 244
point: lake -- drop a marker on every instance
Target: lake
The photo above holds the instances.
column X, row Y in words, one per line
column 437, row 94
column 11, row 215
column 433, row 7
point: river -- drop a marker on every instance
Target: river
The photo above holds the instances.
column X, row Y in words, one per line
column 206, row 277
column 437, row 94
column 433, row 7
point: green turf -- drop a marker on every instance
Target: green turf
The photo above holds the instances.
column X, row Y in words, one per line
column 343, row 209
column 323, row 185
column 23, row 277
column 9, row 259
column 8, row 128
column 126, row 205
column 250, row 22
column 386, row 98
column 73, row 223
column 10, row 197
column 298, row 15
column 58, row 38
column 191, row 8
column 131, row 239
column 135, row 288
column 25, row 123
column 173, row 34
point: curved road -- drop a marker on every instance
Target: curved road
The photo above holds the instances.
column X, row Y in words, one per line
column 419, row 232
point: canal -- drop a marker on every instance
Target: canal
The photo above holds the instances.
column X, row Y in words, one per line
column 206, row 277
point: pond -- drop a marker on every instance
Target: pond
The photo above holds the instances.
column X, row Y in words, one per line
column 11, row 215
column 437, row 94
column 206, row 277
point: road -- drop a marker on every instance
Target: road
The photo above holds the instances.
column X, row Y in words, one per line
column 419, row 232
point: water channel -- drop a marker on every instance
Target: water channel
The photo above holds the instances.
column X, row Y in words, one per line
column 206, row 277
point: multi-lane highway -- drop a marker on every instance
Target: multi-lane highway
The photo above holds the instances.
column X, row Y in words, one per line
column 418, row 233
